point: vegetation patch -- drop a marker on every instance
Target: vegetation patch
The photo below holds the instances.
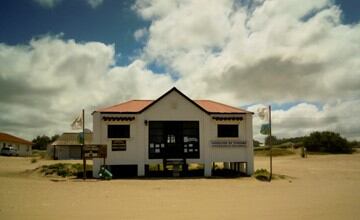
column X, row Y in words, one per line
column 276, row 151
column 39, row 153
column 327, row 141
column 262, row 174
column 318, row 141
column 63, row 169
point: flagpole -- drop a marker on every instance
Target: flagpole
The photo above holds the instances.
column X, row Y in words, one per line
column 83, row 145
column 270, row 143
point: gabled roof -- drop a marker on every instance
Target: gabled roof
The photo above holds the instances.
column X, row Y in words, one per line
column 138, row 106
column 13, row 139
column 217, row 107
column 174, row 89
column 132, row 106
column 72, row 139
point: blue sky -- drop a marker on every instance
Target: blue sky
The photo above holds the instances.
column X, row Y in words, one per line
column 59, row 56
column 112, row 22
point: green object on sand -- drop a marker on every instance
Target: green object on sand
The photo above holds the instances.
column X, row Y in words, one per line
column 105, row 174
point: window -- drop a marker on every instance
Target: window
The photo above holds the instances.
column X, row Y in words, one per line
column 118, row 131
column 118, row 145
column 228, row 131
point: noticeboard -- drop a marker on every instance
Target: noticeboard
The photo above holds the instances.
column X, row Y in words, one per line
column 95, row 151
column 228, row 143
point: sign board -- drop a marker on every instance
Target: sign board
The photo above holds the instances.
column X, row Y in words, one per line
column 95, row 151
column 118, row 145
column 228, row 143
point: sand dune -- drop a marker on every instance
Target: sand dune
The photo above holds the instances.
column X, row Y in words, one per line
column 322, row 187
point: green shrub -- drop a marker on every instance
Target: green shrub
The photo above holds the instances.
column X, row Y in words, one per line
column 327, row 141
column 275, row 152
column 262, row 174
column 63, row 169
column 33, row 160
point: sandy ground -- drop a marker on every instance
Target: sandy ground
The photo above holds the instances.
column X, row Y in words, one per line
column 322, row 187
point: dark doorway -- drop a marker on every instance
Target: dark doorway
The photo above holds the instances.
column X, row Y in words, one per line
column 123, row 171
column 174, row 139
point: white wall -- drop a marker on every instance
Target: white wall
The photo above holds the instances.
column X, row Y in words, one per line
column 232, row 154
column 22, row 149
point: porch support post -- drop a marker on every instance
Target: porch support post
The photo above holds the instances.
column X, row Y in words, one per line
column 208, row 167
column 250, row 168
column 141, row 169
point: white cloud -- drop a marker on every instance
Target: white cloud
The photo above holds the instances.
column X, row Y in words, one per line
column 260, row 51
column 279, row 51
column 53, row 3
column 304, row 118
column 45, row 84
column 140, row 34
column 95, row 3
column 48, row 3
column 236, row 52
column 153, row 9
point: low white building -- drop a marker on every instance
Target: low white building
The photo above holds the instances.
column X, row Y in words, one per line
column 68, row 146
column 23, row 147
column 173, row 129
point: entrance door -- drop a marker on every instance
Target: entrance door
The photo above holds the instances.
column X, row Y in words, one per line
column 174, row 139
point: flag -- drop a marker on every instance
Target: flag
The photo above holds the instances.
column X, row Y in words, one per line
column 77, row 123
column 265, row 129
column 263, row 113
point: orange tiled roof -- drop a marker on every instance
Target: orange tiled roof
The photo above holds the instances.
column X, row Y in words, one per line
column 217, row 107
column 13, row 139
column 132, row 106
column 136, row 106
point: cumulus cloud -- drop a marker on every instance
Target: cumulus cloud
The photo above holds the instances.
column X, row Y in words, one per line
column 237, row 52
column 46, row 83
column 304, row 118
column 245, row 52
column 276, row 46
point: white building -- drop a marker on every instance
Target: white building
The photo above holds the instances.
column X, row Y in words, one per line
column 173, row 129
column 68, row 146
column 22, row 146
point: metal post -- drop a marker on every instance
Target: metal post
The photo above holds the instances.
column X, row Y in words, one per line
column 270, row 143
column 83, row 145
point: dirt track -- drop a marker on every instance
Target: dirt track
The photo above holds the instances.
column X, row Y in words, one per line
column 324, row 187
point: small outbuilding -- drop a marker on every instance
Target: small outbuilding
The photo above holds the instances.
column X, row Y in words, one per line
column 68, row 146
column 23, row 147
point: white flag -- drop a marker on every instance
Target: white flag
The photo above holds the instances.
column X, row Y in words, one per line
column 263, row 113
column 77, row 123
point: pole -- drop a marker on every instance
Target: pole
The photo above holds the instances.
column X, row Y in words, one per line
column 270, row 143
column 83, row 145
